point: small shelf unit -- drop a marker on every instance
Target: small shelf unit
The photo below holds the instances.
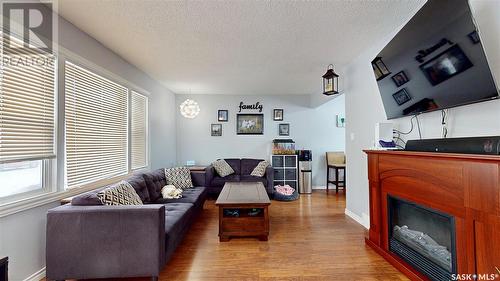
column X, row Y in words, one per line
column 285, row 170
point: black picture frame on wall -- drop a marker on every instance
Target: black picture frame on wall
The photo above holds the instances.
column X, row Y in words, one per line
column 278, row 114
column 400, row 78
column 250, row 124
column 445, row 65
column 401, row 96
column 222, row 115
column 284, row 129
column 216, row 130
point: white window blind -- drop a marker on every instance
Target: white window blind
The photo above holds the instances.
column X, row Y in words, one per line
column 139, row 127
column 27, row 104
column 96, row 113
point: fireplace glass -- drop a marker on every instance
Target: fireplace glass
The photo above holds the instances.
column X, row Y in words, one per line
column 423, row 237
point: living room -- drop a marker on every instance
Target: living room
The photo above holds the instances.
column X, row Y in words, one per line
column 188, row 109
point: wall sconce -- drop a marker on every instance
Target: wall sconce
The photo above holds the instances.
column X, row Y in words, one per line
column 189, row 109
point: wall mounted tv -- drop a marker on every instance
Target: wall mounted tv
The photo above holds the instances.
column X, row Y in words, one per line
column 435, row 62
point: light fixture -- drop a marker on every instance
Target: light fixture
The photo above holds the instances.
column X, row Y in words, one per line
column 189, row 109
column 380, row 69
column 330, row 82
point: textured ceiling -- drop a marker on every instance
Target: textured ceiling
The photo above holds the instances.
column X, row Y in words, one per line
column 238, row 47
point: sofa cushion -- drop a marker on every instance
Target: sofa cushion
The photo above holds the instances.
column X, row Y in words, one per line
column 178, row 216
column 247, row 165
column 179, row 177
column 155, row 181
column 195, row 195
column 235, row 165
column 249, row 178
column 139, row 184
column 88, row 198
column 260, row 169
column 121, row 193
column 222, row 168
column 219, row 181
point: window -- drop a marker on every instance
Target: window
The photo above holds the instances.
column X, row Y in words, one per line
column 139, row 133
column 96, row 122
column 27, row 118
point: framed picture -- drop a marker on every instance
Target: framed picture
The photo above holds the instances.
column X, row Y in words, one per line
column 250, row 124
column 216, row 130
column 340, row 121
column 284, row 129
column 278, row 114
column 447, row 64
column 222, row 115
column 400, row 78
column 474, row 37
column 401, row 96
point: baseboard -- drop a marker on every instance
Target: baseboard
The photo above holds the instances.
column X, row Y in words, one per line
column 364, row 220
column 318, row 187
column 37, row 276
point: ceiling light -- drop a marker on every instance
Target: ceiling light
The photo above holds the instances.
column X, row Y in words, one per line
column 189, row 109
column 330, row 82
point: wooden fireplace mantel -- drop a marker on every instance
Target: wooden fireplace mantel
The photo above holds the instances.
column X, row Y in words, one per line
column 465, row 186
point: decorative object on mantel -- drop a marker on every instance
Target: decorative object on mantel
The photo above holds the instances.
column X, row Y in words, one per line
column 330, row 82
column 400, row 78
column 340, row 121
column 255, row 106
column 401, row 96
column 189, row 109
column 284, row 129
column 250, row 124
column 222, row 115
column 277, row 114
column 216, row 130
column 474, row 37
column 380, row 69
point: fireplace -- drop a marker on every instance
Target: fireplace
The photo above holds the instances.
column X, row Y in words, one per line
column 424, row 238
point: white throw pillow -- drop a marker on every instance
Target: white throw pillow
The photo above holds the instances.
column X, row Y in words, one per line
column 121, row 193
column 179, row 177
column 222, row 168
column 171, row 192
column 260, row 169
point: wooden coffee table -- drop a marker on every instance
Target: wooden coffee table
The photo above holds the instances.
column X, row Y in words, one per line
column 243, row 210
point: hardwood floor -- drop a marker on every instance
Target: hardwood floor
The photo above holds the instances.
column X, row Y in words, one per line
column 310, row 239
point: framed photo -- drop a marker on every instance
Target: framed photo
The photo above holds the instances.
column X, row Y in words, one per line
column 222, row 115
column 249, row 124
column 401, row 96
column 400, row 78
column 445, row 65
column 340, row 121
column 474, row 37
column 284, row 129
column 278, row 114
column 216, row 130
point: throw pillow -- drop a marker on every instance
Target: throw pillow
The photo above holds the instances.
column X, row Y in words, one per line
column 260, row 169
column 222, row 168
column 179, row 177
column 121, row 193
column 171, row 192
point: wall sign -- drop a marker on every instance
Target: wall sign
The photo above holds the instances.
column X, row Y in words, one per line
column 255, row 106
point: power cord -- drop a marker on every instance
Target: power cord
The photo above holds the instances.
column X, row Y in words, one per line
column 444, row 120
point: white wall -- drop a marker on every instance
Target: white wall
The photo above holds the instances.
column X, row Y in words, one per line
column 364, row 107
column 22, row 235
column 310, row 127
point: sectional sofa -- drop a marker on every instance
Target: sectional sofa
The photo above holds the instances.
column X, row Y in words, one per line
column 87, row 240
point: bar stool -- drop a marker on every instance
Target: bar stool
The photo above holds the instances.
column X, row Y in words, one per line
column 335, row 161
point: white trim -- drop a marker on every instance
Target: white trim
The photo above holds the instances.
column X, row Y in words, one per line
column 364, row 220
column 37, row 276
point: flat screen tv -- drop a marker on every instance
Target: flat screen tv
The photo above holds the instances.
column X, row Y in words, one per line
column 435, row 62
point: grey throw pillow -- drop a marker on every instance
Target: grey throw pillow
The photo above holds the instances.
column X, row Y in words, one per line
column 121, row 193
column 222, row 168
column 179, row 177
column 260, row 169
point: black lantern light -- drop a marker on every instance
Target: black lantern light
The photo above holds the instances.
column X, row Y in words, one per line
column 380, row 69
column 330, row 82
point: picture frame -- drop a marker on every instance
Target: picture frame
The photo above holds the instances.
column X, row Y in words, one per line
column 401, row 96
column 250, row 124
column 284, row 129
column 474, row 37
column 445, row 65
column 400, row 78
column 340, row 121
column 222, row 115
column 216, row 130
column 278, row 114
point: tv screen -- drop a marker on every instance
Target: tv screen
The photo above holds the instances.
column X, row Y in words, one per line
column 435, row 62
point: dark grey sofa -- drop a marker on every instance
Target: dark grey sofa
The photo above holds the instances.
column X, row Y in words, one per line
column 242, row 170
column 87, row 240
